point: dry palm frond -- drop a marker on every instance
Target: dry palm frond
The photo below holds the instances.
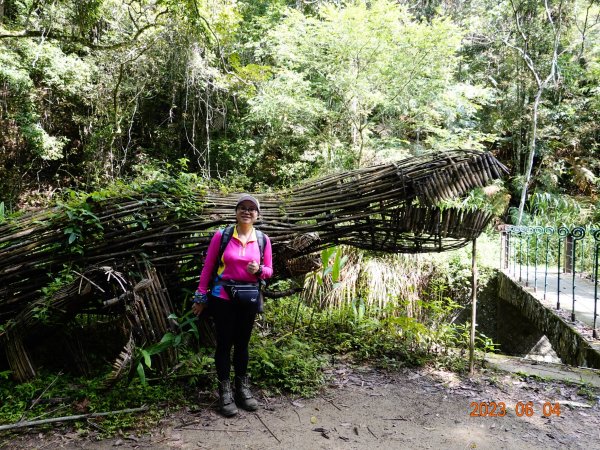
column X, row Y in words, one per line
column 397, row 279
column 303, row 264
column 324, row 292
column 123, row 364
column 379, row 281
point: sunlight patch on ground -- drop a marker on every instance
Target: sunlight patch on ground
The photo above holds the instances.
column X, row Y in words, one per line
column 449, row 379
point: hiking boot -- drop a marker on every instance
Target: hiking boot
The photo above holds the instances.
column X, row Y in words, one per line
column 243, row 395
column 226, row 404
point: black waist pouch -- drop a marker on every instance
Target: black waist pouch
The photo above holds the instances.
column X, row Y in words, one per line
column 246, row 294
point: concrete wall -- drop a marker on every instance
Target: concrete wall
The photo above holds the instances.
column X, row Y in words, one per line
column 569, row 345
column 518, row 336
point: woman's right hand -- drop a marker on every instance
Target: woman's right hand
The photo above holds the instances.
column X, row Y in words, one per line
column 197, row 308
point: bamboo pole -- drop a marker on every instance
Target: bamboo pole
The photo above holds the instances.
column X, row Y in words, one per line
column 34, row 423
column 473, row 307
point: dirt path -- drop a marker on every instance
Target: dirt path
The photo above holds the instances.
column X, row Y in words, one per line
column 365, row 409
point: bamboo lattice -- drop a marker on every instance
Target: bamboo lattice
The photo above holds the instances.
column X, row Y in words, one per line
column 387, row 208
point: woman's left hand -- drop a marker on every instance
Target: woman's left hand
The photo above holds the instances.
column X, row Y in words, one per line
column 252, row 267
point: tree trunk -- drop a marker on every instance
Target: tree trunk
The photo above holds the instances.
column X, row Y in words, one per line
column 541, row 85
column 531, row 154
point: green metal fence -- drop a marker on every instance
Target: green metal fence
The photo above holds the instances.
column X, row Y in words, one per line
column 531, row 253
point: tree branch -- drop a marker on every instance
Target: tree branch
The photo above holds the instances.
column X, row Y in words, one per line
column 6, row 34
column 33, row 423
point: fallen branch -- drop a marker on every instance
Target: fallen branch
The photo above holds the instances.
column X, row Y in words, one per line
column 332, row 404
column 373, row 434
column 36, row 401
column 268, row 429
column 220, row 430
column 34, row 423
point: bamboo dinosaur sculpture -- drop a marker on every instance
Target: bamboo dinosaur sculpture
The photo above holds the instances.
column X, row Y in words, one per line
column 138, row 250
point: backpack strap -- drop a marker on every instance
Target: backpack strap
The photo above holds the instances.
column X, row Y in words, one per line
column 226, row 236
column 260, row 237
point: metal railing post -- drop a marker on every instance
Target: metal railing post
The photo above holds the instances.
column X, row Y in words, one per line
column 582, row 254
column 592, row 245
column 527, row 249
column 513, row 233
column 538, row 232
column 548, row 231
column 522, row 230
column 507, row 250
column 577, row 233
column 596, row 234
column 562, row 233
column 572, row 253
column 504, row 246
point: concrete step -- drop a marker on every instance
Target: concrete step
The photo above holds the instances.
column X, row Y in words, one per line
column 553, row 371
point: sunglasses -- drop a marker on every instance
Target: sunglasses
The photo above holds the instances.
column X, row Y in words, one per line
column 244, row 209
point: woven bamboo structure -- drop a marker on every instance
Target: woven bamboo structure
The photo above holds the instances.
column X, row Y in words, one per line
column 387, row 208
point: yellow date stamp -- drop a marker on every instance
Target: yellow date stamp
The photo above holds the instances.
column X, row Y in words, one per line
column 500, row 409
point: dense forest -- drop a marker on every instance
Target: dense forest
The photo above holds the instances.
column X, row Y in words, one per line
column 103, row 97
column 259, row 94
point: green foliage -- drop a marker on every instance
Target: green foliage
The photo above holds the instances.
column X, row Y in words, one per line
column 152, row 184
column 62, row 279
column 148, row 99
column 588, row 391
column 80, row 218
column 41, row 308
column 46, row 146
column 86, row 14
column 521, row 42
column 493, row 199
column 256, row 94
column 288, row 364
column 29, row 70
column 386, row 337
column 184, row 341
column 289, row 349
column 453, row 273
column 548, row 209
column 332, row 262
column 63, row 395
column 353, row 67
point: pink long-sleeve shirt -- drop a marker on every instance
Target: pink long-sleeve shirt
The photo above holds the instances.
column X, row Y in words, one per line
column 232, row 265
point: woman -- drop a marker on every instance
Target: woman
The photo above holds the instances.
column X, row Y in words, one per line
column 234, row 318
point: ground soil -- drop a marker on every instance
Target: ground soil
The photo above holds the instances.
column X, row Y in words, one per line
column 363, row 408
